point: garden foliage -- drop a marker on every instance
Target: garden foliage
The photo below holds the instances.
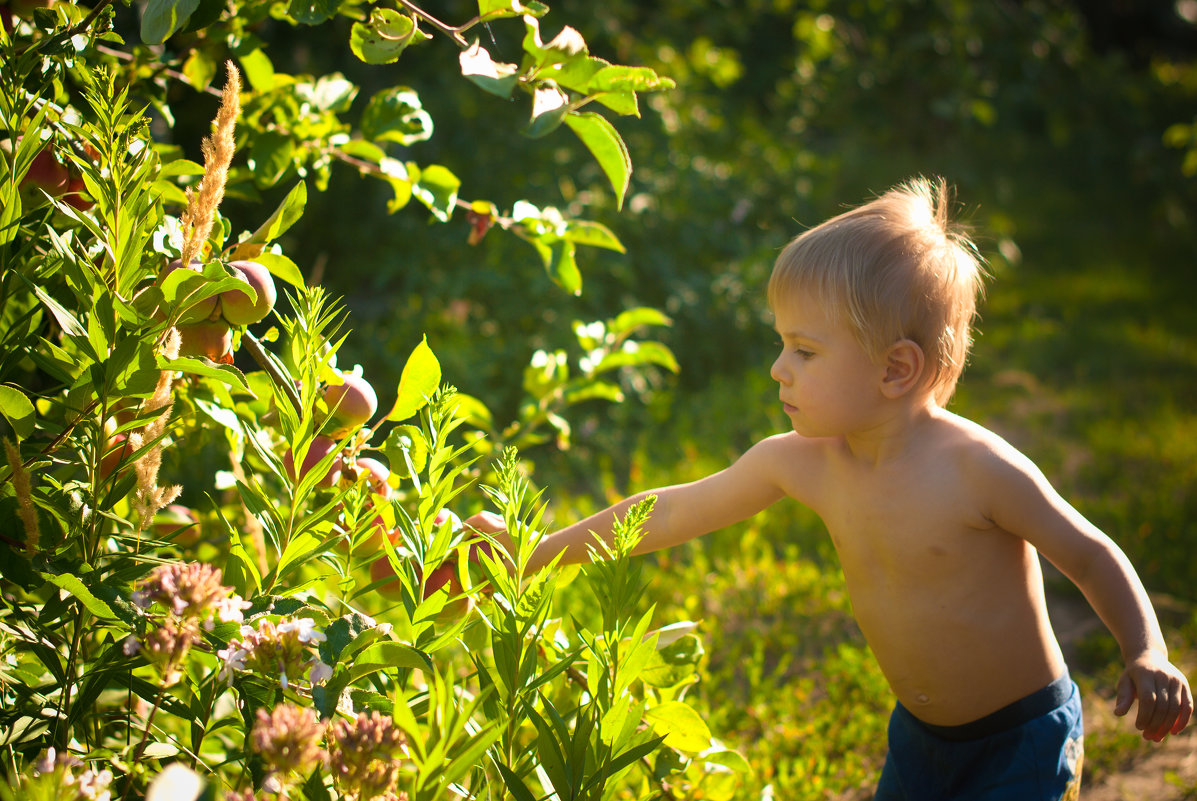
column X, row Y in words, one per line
column 231, row 567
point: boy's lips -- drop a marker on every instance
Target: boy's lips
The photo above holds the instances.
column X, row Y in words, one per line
column 789, row 409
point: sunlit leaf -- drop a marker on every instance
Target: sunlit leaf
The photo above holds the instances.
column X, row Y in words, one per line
column 496, row 77
column 607, row 147
column 420, row 378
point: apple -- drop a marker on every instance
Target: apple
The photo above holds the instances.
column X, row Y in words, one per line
column 212, row 339
column 320, row 447
column 236, row 306
column 376, row 474
column 178, row 520
column 48, row 174
column 351, row 404
column 116, row 451
column 206, row 309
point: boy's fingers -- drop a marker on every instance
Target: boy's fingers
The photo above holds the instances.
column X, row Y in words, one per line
column 1126, row 695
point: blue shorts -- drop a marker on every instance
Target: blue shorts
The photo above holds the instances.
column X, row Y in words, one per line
column 1031, row 750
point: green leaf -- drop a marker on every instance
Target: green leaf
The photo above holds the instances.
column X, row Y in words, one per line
column 593, row 234
column 384, row 36
column 161, row 18
column 630, row 320
column 684, row 729
column 75, row 587
column 549, row 107
column 607, row 147
column 437, row 189
column 18, row 410
column 496, row 77
column 314, row 12
column 396, row 115
column 258, row 69
column 286, row 215
column 199, row 69
column 281, row 267
column 225, row 373
column 270, row 157
column 420, row 378
column 497, row 9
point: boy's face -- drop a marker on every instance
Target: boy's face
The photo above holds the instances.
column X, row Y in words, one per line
column 829, row 384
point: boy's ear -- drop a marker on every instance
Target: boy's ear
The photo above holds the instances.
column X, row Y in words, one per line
column 904, row 362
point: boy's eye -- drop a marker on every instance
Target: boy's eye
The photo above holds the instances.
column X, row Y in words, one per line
column 804, row 354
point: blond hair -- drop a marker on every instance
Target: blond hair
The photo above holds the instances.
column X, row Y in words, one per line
column 898, row 268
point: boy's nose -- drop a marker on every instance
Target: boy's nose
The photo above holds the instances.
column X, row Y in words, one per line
column 776, row 372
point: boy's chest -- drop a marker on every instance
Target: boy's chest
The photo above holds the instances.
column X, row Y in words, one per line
column 900, row 523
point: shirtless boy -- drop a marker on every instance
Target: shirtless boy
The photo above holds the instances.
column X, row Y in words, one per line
column 937, row 521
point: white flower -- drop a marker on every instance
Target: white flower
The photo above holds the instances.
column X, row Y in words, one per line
column 231, row 609
column 305, row 627
column 131, row 645
column 233, row 659
column 46, row 763
column 320, row 672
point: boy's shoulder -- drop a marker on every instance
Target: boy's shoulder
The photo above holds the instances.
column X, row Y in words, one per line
column 981, row 455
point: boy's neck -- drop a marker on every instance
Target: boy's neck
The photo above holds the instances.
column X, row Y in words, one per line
column 898, row 427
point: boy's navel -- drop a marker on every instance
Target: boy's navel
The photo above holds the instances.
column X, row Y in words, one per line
column 923, row 698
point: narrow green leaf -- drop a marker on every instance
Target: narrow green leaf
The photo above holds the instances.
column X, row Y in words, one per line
column 284, row 216
column 225, row 373
column 420, row 378
column 607, row 147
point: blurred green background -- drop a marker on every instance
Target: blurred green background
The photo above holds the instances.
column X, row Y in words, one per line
column 1066, row 128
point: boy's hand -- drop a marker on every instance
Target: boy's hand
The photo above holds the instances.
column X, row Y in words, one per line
column 1165, row 701
column 492, row 524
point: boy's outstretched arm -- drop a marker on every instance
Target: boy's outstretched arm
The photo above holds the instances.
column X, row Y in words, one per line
column 682, row 511
column 1026, row 505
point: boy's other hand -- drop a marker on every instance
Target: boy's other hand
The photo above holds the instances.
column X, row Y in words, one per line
column 492, row 524
column 1165, row 700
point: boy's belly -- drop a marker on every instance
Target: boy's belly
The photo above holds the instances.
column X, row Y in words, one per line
column 952, row 660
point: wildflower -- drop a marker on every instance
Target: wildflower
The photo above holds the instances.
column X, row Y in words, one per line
column 283, row 649
column 167, row 646
column 192, row 590
column 364, row 754
column 319, row 672
column 288, row 740
column 59, row 772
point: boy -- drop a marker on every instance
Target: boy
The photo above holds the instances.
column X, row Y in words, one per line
column 937, row 522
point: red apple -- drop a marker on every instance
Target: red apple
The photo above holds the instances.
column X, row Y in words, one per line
column 319, row 448
column 236, row 306
column 116, row 452
column 351, row 404
column 178, row 520
column 211, row 339
column 205, row 309
column 376, row 475
column 48, row 174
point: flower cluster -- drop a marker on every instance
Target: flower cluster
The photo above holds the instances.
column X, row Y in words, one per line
column 288, row 741
column 59, row 771
column 192, row 591
column 364, row 754
column 193, row 595
column 283, row 649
